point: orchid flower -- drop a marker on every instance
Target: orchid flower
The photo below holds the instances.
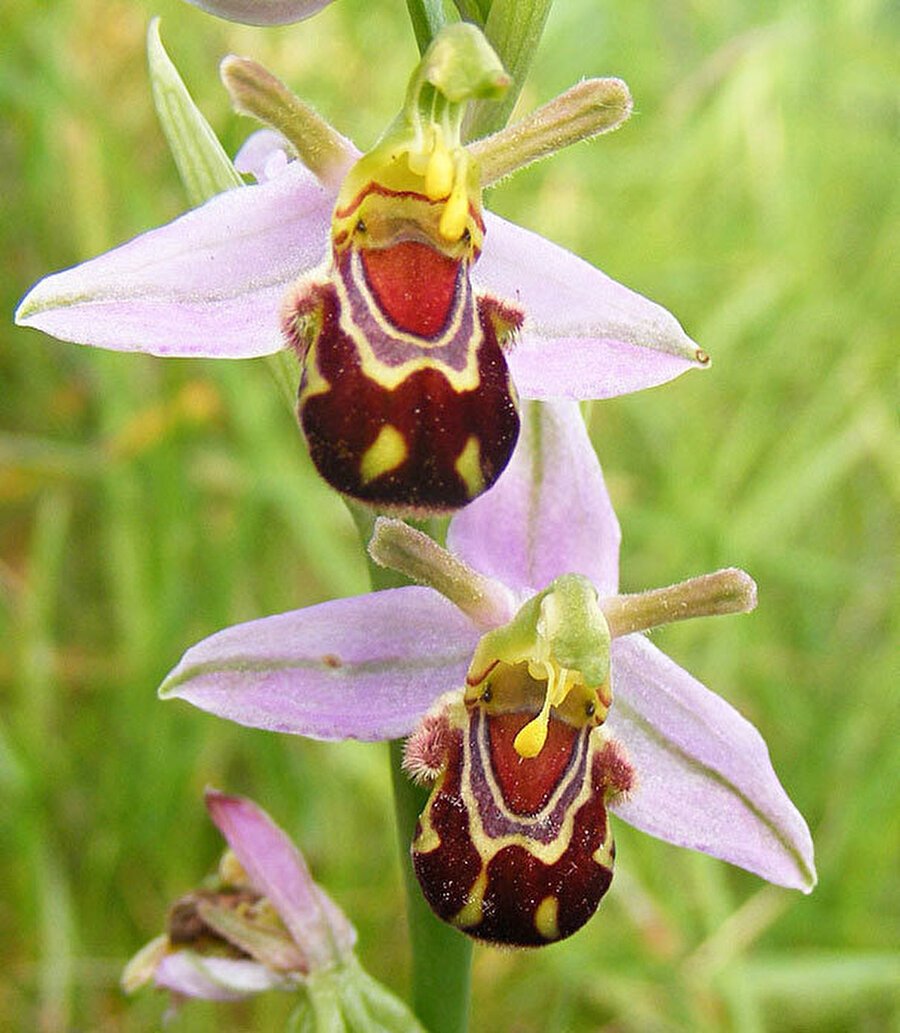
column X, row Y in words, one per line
column 262, row 12
column 261, row 924
column 417, row 318
column 550, row 681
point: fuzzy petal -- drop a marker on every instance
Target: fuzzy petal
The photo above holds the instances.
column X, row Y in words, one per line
column 213, row 979
column 276, row 869
column 208, row 284
column 705, row 780
column 262, row 12
column 549, row 514
column 585, row 336
column 264, row 155
column 361, row 668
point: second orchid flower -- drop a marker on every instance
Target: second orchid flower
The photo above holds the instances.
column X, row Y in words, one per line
column 567, row 710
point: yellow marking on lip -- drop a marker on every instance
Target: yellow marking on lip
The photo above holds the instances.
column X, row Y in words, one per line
column 313, row 383
column 489, row 846
column 546, row 917
column 471, row 912
column 386, row 453
column 468, row 466
column 428, row 839
column 603, row 854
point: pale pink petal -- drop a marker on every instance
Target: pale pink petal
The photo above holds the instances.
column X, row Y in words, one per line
column 208, row 284
column 264, row 155
column 549, row 513
column 704, row 778
column 585, row 336
column 262, row 12
column 277, row 870
column 214, row 979
column 360, row 668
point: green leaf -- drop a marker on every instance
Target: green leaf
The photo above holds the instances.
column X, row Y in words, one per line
column 203, row 164
column 204, row 167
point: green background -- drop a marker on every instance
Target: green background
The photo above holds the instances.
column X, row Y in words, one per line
column 146, row 503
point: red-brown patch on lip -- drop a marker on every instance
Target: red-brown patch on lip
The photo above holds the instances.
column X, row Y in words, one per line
column 414, row 285
column 527, row 783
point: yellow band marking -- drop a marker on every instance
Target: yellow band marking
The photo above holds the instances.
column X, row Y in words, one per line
column 487, row 846
column 545, row 918
column 468, row 466
column 428, row 838
column 385, row 454
column 471, row 912
column 603, row 854
column 466, row 379
column 313, row 383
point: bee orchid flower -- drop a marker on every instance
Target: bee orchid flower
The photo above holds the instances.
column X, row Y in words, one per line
column 561, row 710
column 262, row 12
column 418, row 318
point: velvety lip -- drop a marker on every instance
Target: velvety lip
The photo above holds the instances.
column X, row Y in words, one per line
column 414, row 284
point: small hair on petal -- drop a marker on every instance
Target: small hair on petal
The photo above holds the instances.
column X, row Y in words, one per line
column 302, row 311
column 425, row 751
column 613, row 767
column 506, row 318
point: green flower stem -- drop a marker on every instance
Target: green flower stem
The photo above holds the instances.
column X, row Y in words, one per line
column 286, row 374
column 427, row 17
column 441, row 956
column 514, row 29
column 474, row 11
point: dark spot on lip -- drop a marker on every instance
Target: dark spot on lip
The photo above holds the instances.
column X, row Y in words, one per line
column 330, row 660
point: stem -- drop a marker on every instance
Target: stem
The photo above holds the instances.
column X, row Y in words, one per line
column 427, row 17
column 441, row 956
column 286, row 376
column 514, row 29
column 474, row 11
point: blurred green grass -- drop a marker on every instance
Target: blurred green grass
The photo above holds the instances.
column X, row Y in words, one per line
column 144, row 504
